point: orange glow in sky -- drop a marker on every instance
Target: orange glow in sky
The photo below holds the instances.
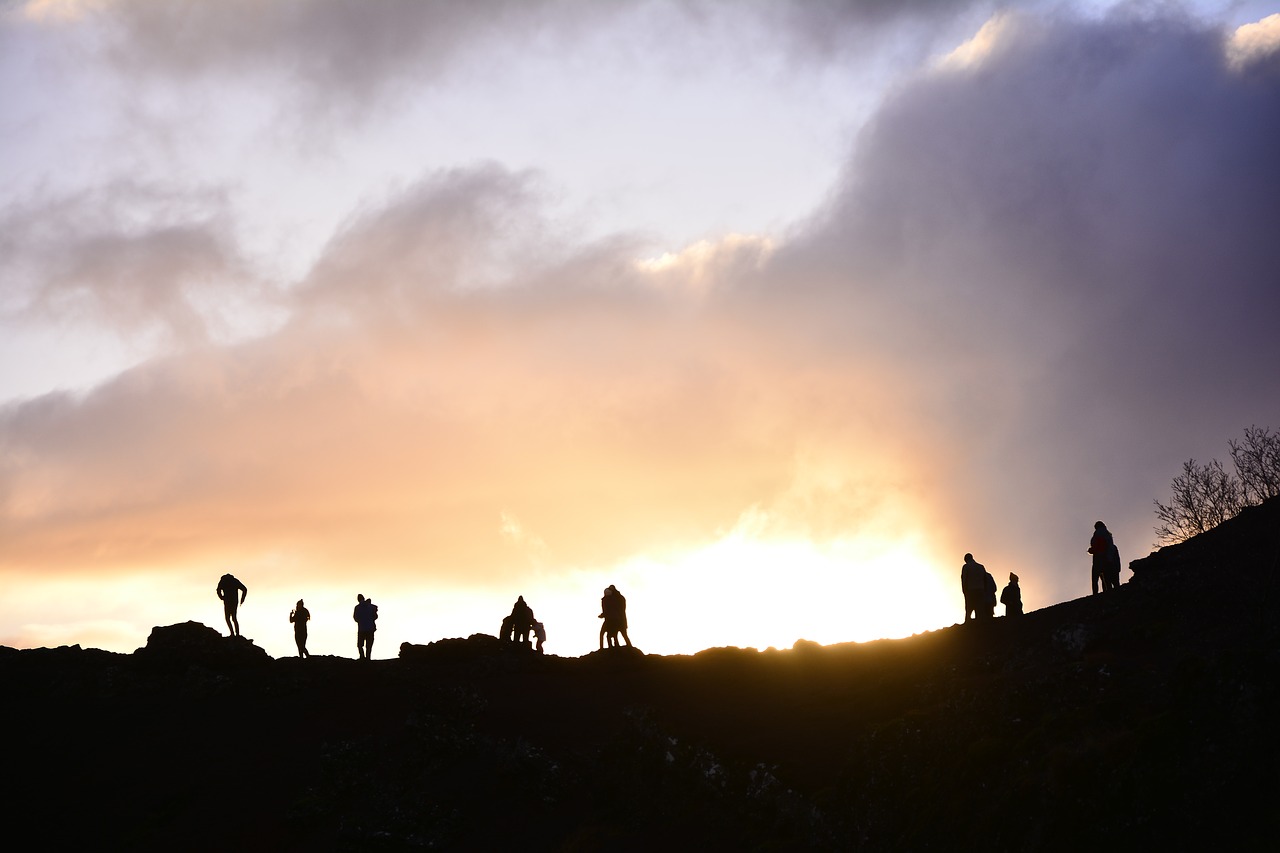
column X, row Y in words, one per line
column 765, row 313
column 733, row 592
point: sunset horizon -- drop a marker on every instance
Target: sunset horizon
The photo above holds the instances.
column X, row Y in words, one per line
column 764, row 313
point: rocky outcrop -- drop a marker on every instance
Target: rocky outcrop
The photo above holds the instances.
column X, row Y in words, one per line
column 192, row 643
column 479, row 653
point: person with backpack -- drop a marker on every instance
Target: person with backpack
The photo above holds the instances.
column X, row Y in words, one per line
column 366, row 618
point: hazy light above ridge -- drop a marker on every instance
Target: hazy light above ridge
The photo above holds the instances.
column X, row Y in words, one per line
column 754, row 311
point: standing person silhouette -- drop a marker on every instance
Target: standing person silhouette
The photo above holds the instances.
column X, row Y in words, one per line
column 227, row 587
column 366, row 617
column 606, row 627
column 539, row 631
column 973, row 585
column 1106, row 558
column 299, row 616
column 989, row 593
column 613, row 609
column 1011, row 597
column 521, row 621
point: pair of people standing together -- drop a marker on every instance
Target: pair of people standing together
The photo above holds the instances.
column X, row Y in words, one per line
column 613, row 610
column 365, row 616
column 1106, row 558
column 979, row 589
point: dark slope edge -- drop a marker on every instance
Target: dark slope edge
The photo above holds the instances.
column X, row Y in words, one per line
column 1143, row 717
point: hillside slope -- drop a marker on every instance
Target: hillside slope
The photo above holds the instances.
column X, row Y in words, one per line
column 1140, row 717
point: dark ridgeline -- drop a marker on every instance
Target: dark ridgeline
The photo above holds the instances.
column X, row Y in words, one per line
column 1141, row 719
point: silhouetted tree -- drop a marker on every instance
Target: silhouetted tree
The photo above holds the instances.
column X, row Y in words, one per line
column 1204, row 496
column 1257, row 461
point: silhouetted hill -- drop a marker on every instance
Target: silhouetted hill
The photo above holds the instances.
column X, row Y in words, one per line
column 1142, row 719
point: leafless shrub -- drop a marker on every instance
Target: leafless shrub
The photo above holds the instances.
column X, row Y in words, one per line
column 1257, row 461
column 1204, row 496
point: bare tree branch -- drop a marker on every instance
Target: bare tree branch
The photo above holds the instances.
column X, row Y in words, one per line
column 1257, row 461
column 1204, row 496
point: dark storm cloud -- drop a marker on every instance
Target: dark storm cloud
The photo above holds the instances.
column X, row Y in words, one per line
column 826, row 27
column 1072, row 241
column 341, row 48
column 352, row 50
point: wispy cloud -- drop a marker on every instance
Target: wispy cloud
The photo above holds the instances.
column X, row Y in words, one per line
column 128, row 256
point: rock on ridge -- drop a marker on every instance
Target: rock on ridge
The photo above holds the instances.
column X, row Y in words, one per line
column 193, row 642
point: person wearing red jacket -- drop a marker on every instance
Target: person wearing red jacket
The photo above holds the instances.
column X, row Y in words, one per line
column 1106, row 558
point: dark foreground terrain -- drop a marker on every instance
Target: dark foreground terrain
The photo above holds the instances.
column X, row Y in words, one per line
column 1143, row 719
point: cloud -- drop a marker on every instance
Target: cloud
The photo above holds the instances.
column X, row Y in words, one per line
column 126, row 256
column 1068, row 238
column 349, row 54
column 975, row 51
column 1252, row 43
column 413, row 405
column 830, row 28
column 697, row 268
column 336, row 50
column 55, row 11
column 1044, row 276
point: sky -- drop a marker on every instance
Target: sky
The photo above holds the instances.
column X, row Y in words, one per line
column 764, row 312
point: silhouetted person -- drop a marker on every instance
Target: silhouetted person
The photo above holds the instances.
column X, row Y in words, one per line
column 539, row 631
column 366, row 617
column 989, row 595
column 613, row 610
column 973, row 585
column 299, row 616
column 508, row 628
column 604, row 624
column 1106, row 558
column 1011, row 597
column 227, row 588
column 521, row 620
column 1114, row 561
